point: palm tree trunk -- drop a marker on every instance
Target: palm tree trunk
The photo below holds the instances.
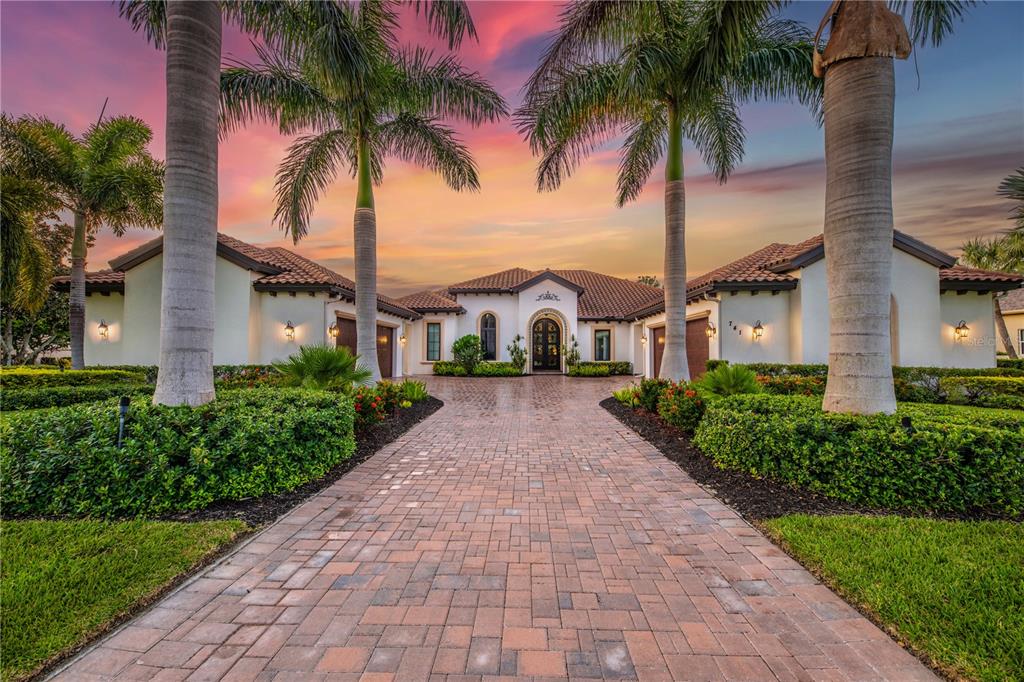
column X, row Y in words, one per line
column 1004, row 333
column 77, row 296
column 365, row 227
column 190, row 204
column 674, row 365
column 859, row 101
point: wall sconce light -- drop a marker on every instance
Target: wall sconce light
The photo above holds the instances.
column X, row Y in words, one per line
column 643, row 339
column 962, row 331
column 381, row 340
column 402, row 340
column 104, row 330
column 332, row 331
column 758, row 331
column 289, row 331
column 711, row 330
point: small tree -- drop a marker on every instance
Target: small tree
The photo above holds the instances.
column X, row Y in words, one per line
column 571, row 352
column 468, row 352
column 517, row 353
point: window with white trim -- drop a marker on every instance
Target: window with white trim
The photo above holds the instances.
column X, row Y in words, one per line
column 602, row 345
column 433, row 341
column 489, row 336
column 1020, row 342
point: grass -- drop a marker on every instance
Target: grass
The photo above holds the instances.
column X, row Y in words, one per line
column 62, row 582
column 953, row 590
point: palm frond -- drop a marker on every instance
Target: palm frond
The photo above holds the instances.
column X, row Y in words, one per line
column 450, row 20
column 115, row 140
column 126, row 195
column 716, row 129
column 426, row 143
column 149, row 16
column 39, row 148
column 931, row 20
column 1012, row 188
column 273, row 91
column 644, row 145
column 35, row 270
column 339, row 49
column 727, row 26
column 444, row 88
column 308, row 168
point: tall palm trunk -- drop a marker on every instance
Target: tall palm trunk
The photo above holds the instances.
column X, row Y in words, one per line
column 674, row 365
column 1004, row 333
column 859, row 101
column 190, row 204
column 365, row 228
column 77, row 296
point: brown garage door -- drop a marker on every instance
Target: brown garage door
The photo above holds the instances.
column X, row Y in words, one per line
column 696, row 347
column 347, row 334
column 385, row 344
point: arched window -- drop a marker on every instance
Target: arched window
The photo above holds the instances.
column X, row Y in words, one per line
column 489, row 336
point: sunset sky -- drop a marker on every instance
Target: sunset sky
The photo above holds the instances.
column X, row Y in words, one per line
column 959, row 130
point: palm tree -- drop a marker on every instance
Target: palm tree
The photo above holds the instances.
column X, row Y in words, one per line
column 1012, row 188
column 358, row 118
column 660, row 72
column 857, row 66
column 1004, row 253
column 326, row 368
column 104, row 177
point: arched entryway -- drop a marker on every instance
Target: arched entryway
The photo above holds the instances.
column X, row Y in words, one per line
column 546, row 345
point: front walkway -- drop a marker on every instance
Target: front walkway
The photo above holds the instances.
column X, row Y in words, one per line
column 521, row 531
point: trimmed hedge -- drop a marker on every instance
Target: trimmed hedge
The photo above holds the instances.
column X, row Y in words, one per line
column 496, row 369
column 919, row 460
column 19, row 378
column 59, row 396
column 985, row 391
column 1010, row 363
column 447, row 368
column 615, row 368
column 792, row 384
column 590, row 370
column 65, row 462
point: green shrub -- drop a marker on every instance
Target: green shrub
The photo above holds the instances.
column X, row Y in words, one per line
column 58, row 396
column 775, row 369
column 1010, row 363
column 446, row 368
column 590, row 370
column 682, row 406
column 984, row 391
column 893, row 461
column 615, row 368
column 496, row 369
column 712, row 365
column 414, row 391
column 792, row 384
column 649, row 393
column 42, row 378
column 517, row 353
column 962, row 414
column 65, row 461
column 244, row 376
column 571, row 351
column 322, row 367
column 468, row 352
column 730, row 380
column 628, row 396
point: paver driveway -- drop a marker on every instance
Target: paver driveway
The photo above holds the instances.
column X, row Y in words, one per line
column 521, row 531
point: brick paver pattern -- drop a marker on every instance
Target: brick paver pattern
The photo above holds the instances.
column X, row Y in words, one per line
column 520, row 532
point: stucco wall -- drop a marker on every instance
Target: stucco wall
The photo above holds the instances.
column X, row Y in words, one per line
column 1014, row 325
column 108, row 309
column 622, row 342
column 505, row 308
column 417, row 344
column 978, row 349
column 915, row 286
column 809, row 321
column 233, row 289
column 305, row 312
column 142, row 313
column 743, row 310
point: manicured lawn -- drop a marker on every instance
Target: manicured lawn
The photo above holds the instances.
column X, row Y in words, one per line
column 61, row 581
column 954, row 590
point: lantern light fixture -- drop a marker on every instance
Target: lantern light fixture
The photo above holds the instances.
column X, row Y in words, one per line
column 332, row 331
column 643, row 339
column 758, row 330
column 402, row 340
column 962, row 331
column 289, row 331
column 103, row 329
column 711, row 330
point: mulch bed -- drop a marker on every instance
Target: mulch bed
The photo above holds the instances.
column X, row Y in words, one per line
column 262, row 510
column 754, row 498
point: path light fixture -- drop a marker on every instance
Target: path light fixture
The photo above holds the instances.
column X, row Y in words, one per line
column 962, row 331
column 711, row 330
column 104, row 330
column 332, row 331
column 289, row 331
column 758, row 331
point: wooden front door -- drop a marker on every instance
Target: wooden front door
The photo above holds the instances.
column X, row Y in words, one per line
column 385, row 351
column 547, row 346
column 697, row 346
column 658, row 341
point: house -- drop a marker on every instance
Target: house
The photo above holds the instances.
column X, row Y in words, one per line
column 769, row 306
column 269, row 301
column 1011, row 305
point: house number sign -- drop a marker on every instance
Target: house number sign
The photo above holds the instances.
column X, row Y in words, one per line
column 548, row 296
